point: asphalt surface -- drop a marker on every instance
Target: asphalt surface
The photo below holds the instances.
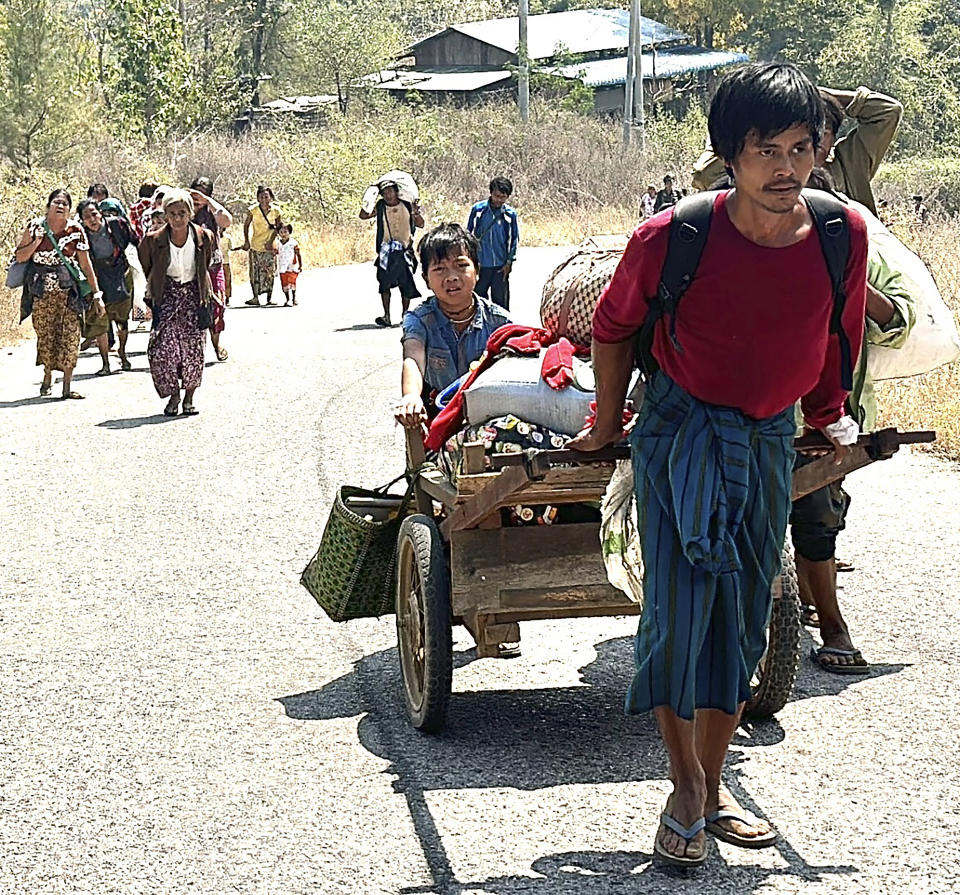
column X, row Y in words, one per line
column 177, row 714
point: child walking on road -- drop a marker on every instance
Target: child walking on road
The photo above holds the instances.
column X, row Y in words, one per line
column 289, row 263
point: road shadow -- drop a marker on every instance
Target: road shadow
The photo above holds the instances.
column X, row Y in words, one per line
column 812, row 681
column 362, row 326
column 135, row 422
column 529, row 740
column 245, row 307
column 27, row 402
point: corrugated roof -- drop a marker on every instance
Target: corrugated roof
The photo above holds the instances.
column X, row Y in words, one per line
column 298, row 103
column 577, row 31
column 666, row 63
column 447, row 81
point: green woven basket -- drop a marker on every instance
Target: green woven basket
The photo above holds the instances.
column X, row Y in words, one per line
column 352, row 575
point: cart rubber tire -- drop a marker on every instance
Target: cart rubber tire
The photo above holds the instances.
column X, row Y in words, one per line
column 773, row 681
column 424, row 623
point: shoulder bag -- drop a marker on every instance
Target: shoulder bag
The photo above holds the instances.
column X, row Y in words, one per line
column 86, row 290
column 16, row 273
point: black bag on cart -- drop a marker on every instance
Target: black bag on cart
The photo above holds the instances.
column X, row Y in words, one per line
column 353, row 574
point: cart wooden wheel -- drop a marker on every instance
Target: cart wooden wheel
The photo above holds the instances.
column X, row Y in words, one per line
column 773, row 681
column 424, row 623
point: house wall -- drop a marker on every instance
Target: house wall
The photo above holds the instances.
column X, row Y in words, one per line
column 455, row 49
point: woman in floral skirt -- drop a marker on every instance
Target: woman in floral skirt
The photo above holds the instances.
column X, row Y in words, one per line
column 176, row 262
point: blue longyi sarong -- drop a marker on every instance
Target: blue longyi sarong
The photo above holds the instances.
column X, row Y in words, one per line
column 713, row 497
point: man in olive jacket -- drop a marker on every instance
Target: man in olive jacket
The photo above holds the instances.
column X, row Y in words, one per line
column 853, row 159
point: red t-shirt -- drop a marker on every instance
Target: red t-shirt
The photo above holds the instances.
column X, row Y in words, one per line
column 754, row 324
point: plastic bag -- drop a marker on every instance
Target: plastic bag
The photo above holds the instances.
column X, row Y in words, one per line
column 619, row 536
column 934, row 340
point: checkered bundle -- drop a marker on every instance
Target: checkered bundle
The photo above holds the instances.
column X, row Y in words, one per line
column 572, row 291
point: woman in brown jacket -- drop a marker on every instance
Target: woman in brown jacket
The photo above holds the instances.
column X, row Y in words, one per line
column 176, row 261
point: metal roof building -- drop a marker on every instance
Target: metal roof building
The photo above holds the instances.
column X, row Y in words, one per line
column 575, row 32
column 467, row 60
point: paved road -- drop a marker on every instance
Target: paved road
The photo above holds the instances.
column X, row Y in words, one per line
column 177, row 715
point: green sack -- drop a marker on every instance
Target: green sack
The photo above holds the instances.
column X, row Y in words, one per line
column 353, row 573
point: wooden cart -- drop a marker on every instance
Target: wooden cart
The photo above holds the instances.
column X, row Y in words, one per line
column 457, row 564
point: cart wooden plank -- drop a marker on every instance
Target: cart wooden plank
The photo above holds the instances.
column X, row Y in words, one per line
column 436, row 484
column 526, row 568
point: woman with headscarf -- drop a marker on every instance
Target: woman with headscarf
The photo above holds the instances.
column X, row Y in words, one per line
column 211, row 215
column 54, row 245
column 259, row 231
column 176, row 261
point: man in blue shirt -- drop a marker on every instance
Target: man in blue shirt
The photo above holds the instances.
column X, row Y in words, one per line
column 494, row 223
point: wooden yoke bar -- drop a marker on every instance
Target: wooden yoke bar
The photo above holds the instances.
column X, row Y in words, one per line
column 879, row 445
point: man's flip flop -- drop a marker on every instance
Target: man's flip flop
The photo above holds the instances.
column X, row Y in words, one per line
column 71, row 396
column 189, row 410
column 685, row 833
column 861, row 667
column 712, row 821
column 381, row 321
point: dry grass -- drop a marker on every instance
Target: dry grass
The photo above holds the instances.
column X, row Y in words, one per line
column 931, row 401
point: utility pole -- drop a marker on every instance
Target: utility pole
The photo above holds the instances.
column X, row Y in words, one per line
column 640, row 116
column 628, row 84
column 523, row 86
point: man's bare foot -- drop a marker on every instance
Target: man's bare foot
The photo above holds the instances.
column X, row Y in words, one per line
column 745, row 829
column 685, row 806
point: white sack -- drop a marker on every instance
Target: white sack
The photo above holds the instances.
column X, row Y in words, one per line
column 934, row 340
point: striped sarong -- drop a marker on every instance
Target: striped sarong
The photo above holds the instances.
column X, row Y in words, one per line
column 713, row 497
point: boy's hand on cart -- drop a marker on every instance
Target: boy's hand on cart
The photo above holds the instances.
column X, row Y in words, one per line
column 410, row 413
column 593, row 438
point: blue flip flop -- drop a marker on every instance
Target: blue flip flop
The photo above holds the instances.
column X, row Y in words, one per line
column 685, row 833
column 714, row 828
column 817, row 654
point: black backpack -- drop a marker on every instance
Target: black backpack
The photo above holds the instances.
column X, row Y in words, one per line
column 688, row 236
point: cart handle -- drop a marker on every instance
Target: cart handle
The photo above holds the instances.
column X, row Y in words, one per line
column 881, row 445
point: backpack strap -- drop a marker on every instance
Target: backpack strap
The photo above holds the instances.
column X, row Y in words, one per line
column 689, row 229
column 830, row 219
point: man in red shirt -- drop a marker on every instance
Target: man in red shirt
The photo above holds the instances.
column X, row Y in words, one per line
column 713, row 442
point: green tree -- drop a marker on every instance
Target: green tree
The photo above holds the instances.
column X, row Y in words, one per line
column 892, row 46
column 152, row 77
column 709, row 22
column 795, row 30
column 338, row 43
column 44, row 78
column 259, row 54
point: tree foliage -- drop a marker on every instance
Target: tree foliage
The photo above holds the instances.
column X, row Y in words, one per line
column 153, row 67
column 44, row 73
column 337, row 43
column 151, row 74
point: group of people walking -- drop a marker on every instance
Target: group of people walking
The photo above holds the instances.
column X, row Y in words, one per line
column 79, row 267
column 78, row 282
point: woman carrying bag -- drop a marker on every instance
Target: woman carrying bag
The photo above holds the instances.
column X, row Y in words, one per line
column 60, row 286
